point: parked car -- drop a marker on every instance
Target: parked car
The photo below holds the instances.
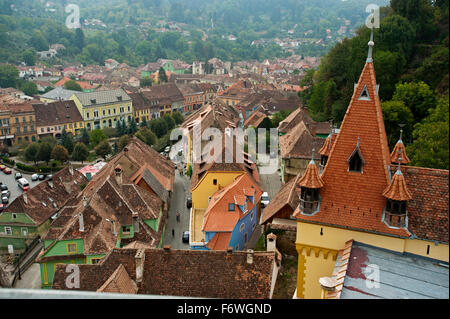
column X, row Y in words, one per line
column 50, row 177
column 186, row 237
column 17, row 175
column 2, row 206
column 265, row 199
column 189, row 203
column 5, row 200
column 167, row 149
column 6, row 193
column 7, row 171
column 34, row 177
column 23, row 184
column 41, row 177
column 2, row 167
column 3, row 187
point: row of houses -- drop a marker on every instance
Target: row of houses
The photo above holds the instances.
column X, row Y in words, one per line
column 61, row 109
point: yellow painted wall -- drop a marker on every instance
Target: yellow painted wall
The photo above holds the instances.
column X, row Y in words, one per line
column 311, row 268
column 100, row 109
column 206, row 188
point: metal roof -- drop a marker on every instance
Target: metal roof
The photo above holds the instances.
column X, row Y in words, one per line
column 400, row 276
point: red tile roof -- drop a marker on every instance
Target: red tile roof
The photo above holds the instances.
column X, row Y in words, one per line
column 218, row 217
column 311, row 178
column 352, row 199
column 399, row 152
column 219, row 241
column 397, row 189
column 326, row 148
column 119, row 282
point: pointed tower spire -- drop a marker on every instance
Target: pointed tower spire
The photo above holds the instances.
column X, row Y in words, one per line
column 371, row 44
column 311, row 178
column 399, row 151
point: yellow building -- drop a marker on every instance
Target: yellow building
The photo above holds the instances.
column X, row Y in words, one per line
column 53, row 118
column 104, row 108
column 362, row 196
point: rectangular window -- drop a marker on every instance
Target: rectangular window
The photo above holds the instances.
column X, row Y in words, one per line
column 104, row 112
column 18, row 130
column 8, row 230
column 32, row 128
column 231, row 207
column 17, row 120
column 87, row 115
column 241, row 228
column 71, row 248
column 215, row 181
column 25, row 129
column 126, row 229
column 31, row 119
column 95, row 260
column 24, row 119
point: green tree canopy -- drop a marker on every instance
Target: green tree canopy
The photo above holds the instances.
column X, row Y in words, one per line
column 29, row 88
column 103, row 149
column 162, row 75
column 418, row 97
column 60, row 153
column 96, row 137
column 177, row 117
column 395, row 113
column 9, row 75
column 67, row 141
column 147, row 136
column 80, row 152
column 123, row 141
column 72, row 85
column 31, row 152
column 45, row 152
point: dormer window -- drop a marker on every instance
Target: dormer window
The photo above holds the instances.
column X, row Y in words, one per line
column 364, row 95
column 356, row 160
column 231, row 207
column 309, row 200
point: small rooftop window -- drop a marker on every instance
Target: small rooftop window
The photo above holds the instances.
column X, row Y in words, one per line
column 364, row 94
column 231, row 207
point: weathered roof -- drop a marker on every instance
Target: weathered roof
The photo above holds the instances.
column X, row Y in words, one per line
column 190, row 273
column 299, row 143
column 61, row 112
column 42, row 201
column 400, row 276
column 167, row 91
column 59, row 93
column 119, row 282
column 255, row 119
column 399, row 151
column 102, row 97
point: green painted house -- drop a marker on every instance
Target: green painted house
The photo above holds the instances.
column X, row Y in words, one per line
column 116, row 209
column 30, row 214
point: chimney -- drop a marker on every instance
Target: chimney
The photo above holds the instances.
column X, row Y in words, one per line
column 271, row 242
column 135, row 222
column 229, row 249
column 84, row 201
column 50, row 183
column 81, row 221
column 118, row 171
column 139, row 259
column 166, row 248
column 25, row 198
column 249, row 256
column 71, row 170
column 68, row 187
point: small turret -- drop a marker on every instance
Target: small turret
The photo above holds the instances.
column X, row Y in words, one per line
column 310, row 184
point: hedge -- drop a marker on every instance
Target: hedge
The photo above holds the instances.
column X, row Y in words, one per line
column 7, row 161
column 38, row 169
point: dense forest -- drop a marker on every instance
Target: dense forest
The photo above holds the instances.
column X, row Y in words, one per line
column 411, row 57
column 34, row 25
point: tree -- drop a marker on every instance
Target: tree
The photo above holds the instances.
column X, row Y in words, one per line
column 395, row 113
column 143, row 122
column 96, row 137
column 159, row 127
column 121, row 128
column 31, row 153
column 132, row 127
column 431, row 138
column 279, row 116
column 60, row 153
column 45, row 152
column 67, row 141
column 38, row 41
column 177, row 117
column 418, row 97
column 29, row 88
column 79, row 39
column 84, row 137
column 103, row 149
column 29, row 57
column 80, row 152
column 9, row 75
column 169, row 121
column 162, row 75
column 123, row 141
column 145, row 82
column 72, row 85
column 146, row 136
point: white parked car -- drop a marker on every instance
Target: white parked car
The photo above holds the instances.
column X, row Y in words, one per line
column 265, row 199
column 34, row 177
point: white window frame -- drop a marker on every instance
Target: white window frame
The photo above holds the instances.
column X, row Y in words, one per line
column 8, row 230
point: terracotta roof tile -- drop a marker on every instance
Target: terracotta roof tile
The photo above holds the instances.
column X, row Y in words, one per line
column 397, row 189
column 399, row 151
column 119, row 282
column 311, row 178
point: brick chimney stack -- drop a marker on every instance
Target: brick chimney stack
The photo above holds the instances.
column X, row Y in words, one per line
column 140, row 258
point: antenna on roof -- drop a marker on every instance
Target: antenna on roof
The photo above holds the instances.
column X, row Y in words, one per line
column 357, row 142
column 312, row 156
column 399, row 171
